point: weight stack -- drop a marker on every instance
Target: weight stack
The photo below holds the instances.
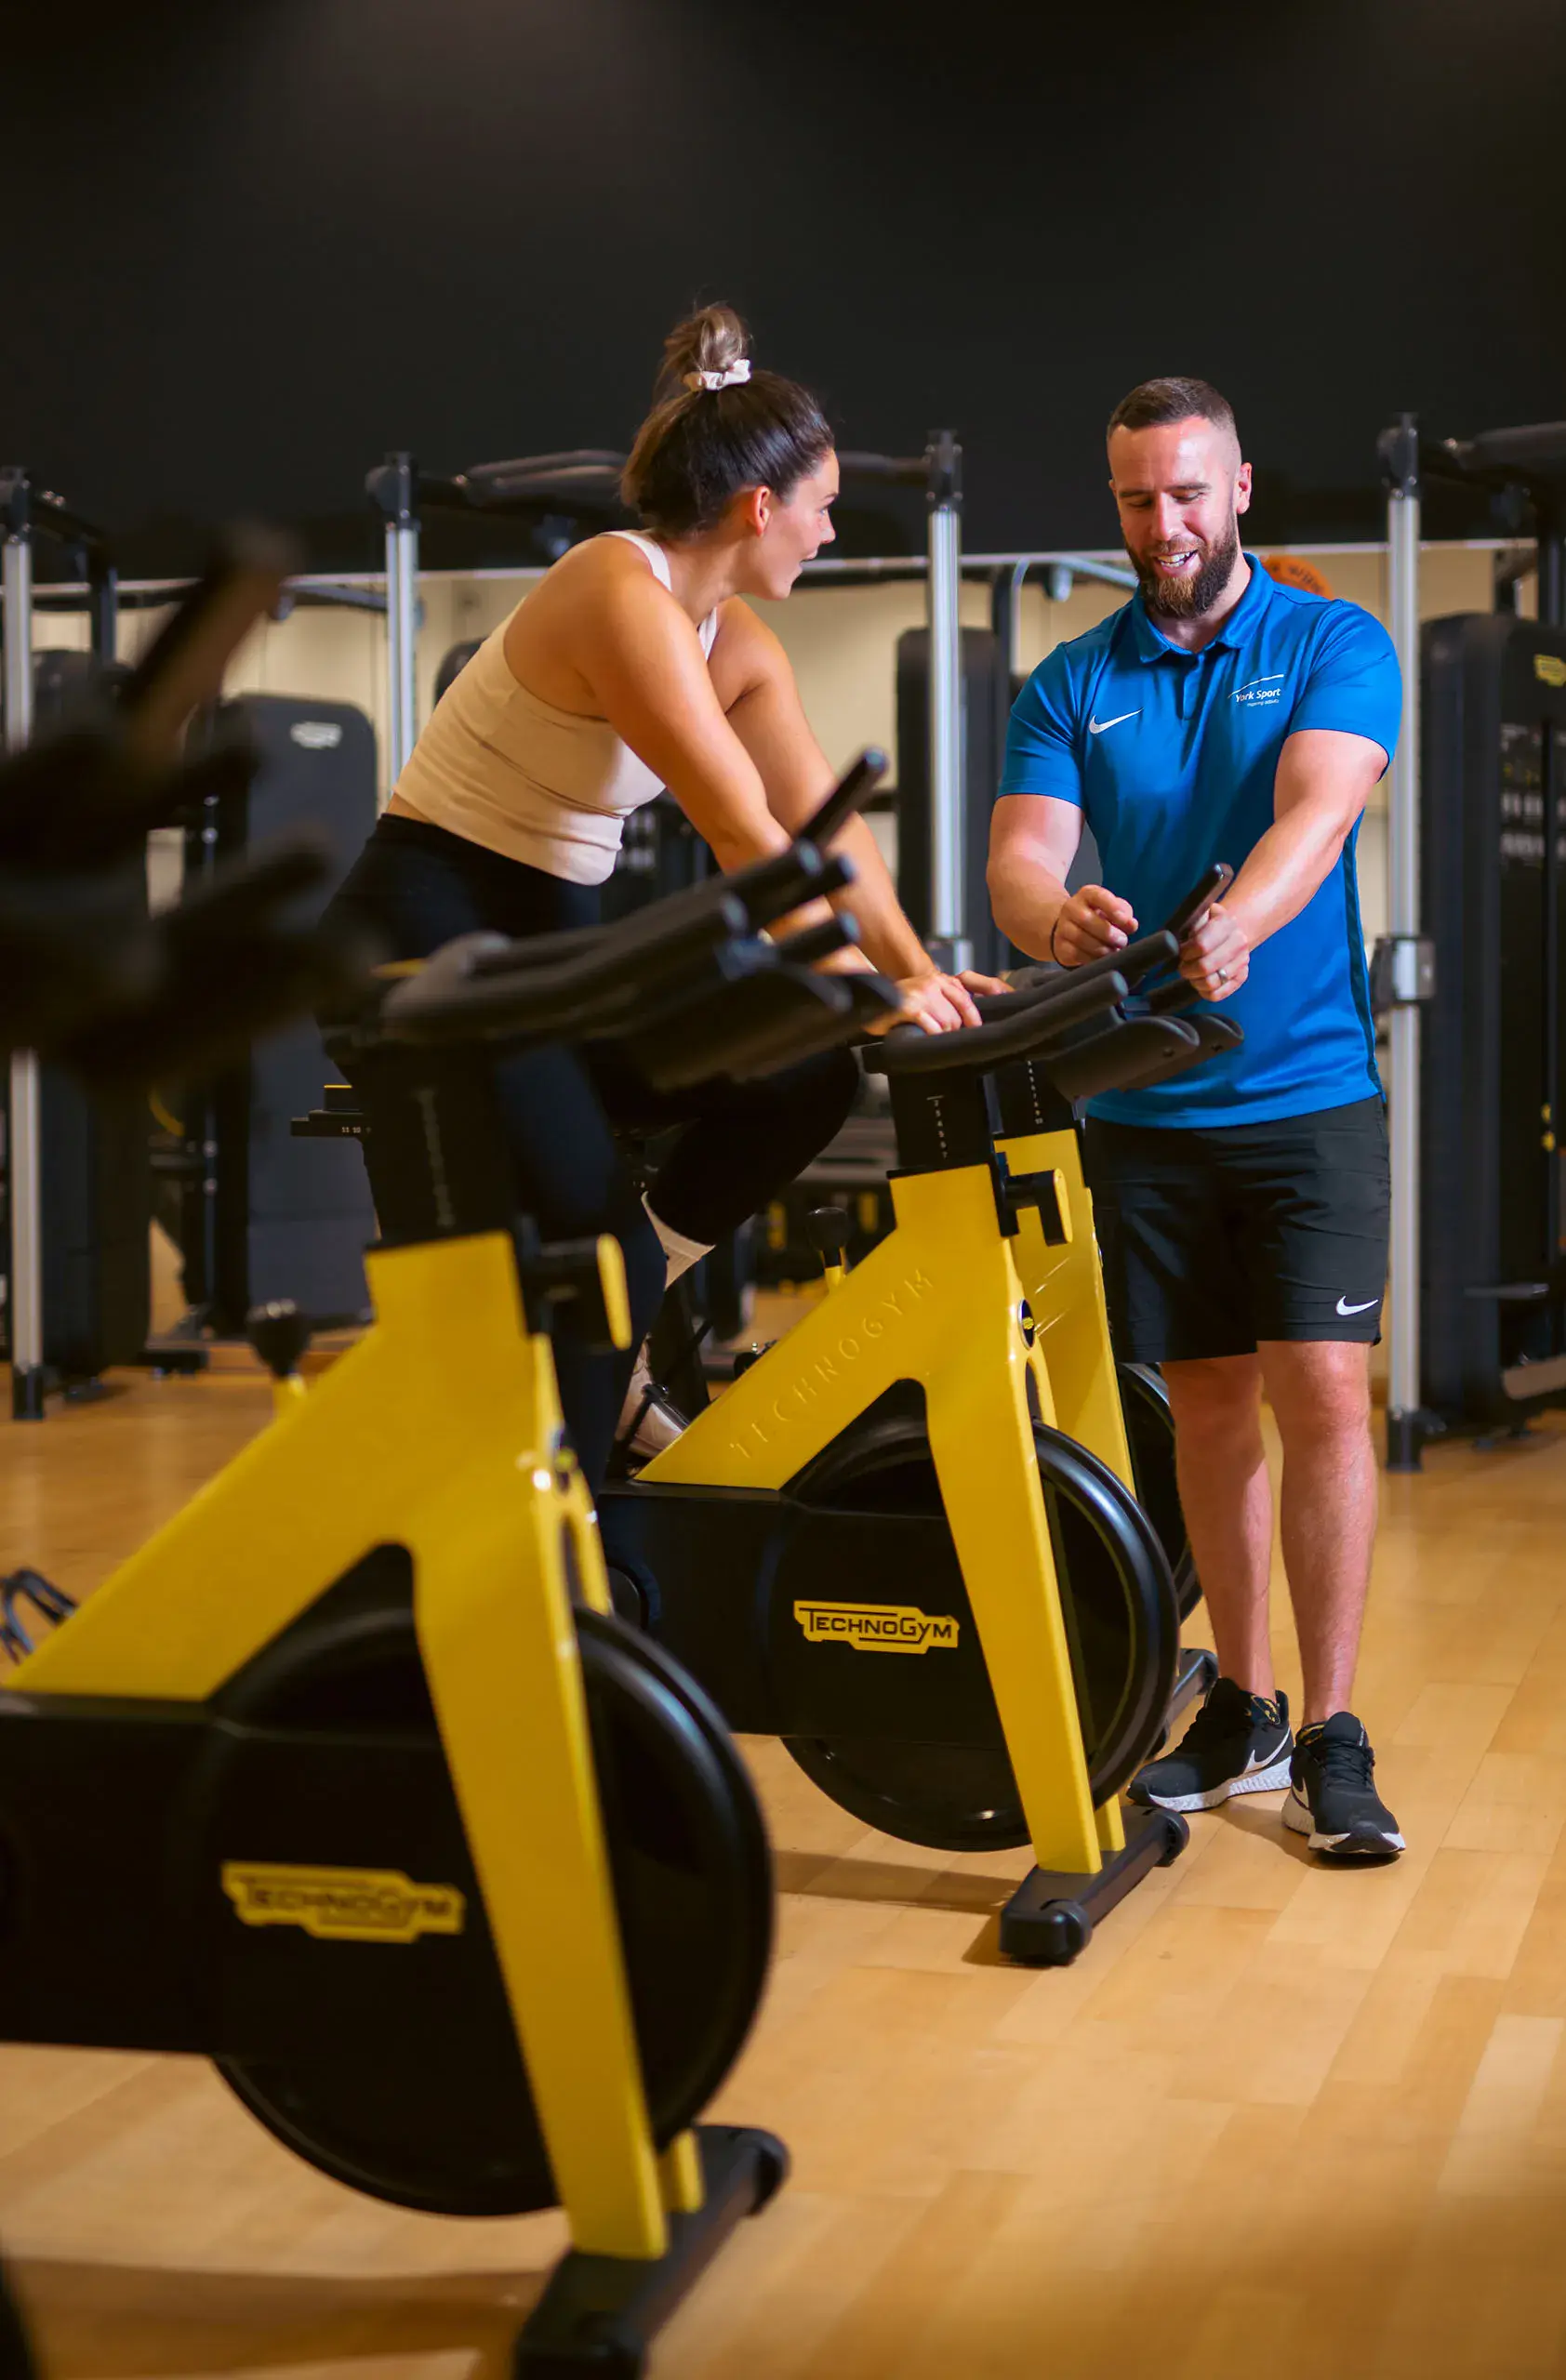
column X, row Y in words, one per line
column 278, row 1217
column 986, row 702
column 1493, row 860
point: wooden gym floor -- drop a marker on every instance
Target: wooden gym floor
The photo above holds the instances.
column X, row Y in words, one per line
column 1276, row 2120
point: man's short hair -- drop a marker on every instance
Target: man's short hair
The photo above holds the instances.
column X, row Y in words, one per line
column 1153, row 402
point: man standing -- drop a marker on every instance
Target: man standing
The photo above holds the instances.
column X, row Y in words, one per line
column 1241, row 1208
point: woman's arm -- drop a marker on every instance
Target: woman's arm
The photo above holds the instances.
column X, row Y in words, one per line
column 639, row 662
column 752, row 679
column 641, row 658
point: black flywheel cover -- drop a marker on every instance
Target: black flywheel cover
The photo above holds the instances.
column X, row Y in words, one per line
column 929, row 1763
column 433, row 2108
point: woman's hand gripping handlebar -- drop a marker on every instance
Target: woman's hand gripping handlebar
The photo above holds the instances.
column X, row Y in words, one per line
column 1032, row 1026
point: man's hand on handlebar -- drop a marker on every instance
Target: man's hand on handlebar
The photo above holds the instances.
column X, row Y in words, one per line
column 945, row 1003
column 1093, row 924
column 1215, row 955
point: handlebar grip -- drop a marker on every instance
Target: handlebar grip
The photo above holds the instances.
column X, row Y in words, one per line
column 1138, row 958
column 848, row 795
column 1538, row 446
column 1032, row 1031
column 839, row 932
column 1122, row 1057
column 907, row 471
column 1170, row 998
column 1034, row 977
column 592, row 469
column 1211, row 888
column 773, row 887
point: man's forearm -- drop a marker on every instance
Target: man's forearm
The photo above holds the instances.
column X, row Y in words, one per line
column 1284, row 871
column 1026, row 900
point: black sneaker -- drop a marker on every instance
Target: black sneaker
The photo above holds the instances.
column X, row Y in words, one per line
column 1237, row 1743
column 1333, row 1799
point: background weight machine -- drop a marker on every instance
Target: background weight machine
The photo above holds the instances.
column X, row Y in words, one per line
column 77, row 1192
column 254, row 1212
column 1470, row 975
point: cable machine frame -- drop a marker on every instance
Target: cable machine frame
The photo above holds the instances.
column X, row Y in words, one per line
column 1532, row 459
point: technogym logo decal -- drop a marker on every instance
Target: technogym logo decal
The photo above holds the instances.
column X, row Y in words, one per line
column 877, row 1626
column 822, row 1374
column 342, row 1904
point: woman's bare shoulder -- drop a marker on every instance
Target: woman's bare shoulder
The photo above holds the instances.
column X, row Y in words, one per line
column 598, row 561
column 594, row 600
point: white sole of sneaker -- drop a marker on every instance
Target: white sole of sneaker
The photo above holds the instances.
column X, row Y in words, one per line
column 1297, row 1819
column 1270, row 1780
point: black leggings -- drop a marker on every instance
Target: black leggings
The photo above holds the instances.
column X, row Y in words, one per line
column 417, row 886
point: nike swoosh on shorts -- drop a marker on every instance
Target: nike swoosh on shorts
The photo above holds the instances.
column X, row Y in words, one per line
column 1097, row 726
column 1357, row 1309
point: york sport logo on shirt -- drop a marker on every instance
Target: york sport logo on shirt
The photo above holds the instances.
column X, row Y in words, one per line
column 1259, row 690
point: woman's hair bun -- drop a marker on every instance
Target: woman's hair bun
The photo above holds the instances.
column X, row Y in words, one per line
column 705, row 440
column 709, row 341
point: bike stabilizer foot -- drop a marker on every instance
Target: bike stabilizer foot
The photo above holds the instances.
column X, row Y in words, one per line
column 599, row 2315
column 1049, row 1920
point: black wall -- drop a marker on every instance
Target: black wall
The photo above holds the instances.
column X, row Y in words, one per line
column 250, row 247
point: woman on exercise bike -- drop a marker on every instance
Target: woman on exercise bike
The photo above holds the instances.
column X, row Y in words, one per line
column 636, row 664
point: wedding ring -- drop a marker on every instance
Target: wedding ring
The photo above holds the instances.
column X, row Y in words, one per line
column 1222, row 976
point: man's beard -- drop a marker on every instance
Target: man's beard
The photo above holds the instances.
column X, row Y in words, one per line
column 1187, row 598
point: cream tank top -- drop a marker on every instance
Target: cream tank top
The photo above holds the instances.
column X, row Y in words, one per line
column 500, row 767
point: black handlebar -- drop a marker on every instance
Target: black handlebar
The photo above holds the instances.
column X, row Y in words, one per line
column 596, row 981
column 906, row 471
column 1539, row 446
column 834, row 933
column 588, row 471
column 1138, row 958
column 851, row 792
column 1200, row 899
column 1071, row 1019
column 1031, row 1030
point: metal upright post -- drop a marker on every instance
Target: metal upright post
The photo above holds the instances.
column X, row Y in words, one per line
column 948, row 809
column 394, row 487
column 1410, row 970
column 103, row 606
column 26, row 1284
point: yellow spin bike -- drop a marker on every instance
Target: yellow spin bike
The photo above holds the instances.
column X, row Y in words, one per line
column 351, row 1780
column 906, row 1540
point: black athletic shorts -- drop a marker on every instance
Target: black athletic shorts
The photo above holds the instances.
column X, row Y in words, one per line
column 1214, row 1239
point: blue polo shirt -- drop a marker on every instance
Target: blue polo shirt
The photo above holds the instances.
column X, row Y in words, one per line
column 1172, row 756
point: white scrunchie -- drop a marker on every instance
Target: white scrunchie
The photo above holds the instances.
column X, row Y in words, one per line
column 735, row 376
